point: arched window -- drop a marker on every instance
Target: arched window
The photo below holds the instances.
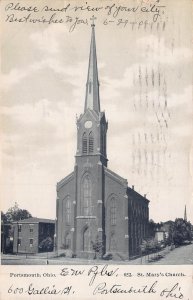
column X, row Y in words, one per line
column 91, row 142
column 87, row 190
column 67, row 242
column 68, row 210
column 84, row 143
column 113, row 211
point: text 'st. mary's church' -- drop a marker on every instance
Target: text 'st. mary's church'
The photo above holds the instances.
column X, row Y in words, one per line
column 94, row 203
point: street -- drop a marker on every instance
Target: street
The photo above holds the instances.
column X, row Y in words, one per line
column 178, row 256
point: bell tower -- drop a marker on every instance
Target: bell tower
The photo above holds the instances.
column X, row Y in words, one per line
column 92, row 125
column 90, row 162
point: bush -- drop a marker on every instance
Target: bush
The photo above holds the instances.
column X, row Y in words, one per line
column 107, row 256
column 46, row 245
column 68, row 253
column 62, row 255
column 186, row 242
column 97, row 246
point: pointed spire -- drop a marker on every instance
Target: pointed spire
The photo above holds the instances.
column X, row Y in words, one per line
column 185, row 214
column 92, row 100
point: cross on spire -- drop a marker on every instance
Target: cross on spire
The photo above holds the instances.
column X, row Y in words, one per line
column 93, row 19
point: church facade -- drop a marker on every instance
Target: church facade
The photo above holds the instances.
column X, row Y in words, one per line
column 95, row 204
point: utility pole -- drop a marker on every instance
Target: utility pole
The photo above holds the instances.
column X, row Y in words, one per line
column 3, row 241
column 17, row 236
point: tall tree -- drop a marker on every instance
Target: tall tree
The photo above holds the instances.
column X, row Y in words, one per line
column 153, row 227
column 180, row 231
column 3, row 217
column 15, row 214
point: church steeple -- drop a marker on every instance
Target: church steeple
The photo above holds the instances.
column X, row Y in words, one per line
column 92, row 100
column 92, row 125
column 185, row 214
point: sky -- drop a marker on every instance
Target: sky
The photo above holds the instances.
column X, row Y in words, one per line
column 145, row 89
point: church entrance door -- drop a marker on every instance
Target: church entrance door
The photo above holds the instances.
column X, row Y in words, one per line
column 87, row 237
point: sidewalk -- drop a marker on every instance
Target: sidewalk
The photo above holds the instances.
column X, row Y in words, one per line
column 28, row 256
column 166, row 256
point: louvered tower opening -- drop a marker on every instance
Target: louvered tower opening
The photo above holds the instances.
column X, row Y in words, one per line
column 91, row 142
column 84, row 143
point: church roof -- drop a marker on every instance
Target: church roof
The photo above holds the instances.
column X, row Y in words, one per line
column 65, row 180
column 116, row 176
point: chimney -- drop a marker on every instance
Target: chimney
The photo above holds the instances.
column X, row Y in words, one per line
column 145, row 195
column 133, row 187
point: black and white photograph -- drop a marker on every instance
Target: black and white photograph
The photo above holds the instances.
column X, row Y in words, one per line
column 96, row 140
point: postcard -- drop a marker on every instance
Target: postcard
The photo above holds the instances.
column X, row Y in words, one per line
column 96, row 149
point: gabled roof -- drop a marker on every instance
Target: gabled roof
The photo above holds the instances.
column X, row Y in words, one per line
column 115, row 176
column 65, row 180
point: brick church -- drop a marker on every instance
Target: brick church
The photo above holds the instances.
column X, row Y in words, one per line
column 94, row 203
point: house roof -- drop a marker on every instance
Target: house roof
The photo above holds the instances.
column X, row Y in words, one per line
column 35, row 220
column 132, row 191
